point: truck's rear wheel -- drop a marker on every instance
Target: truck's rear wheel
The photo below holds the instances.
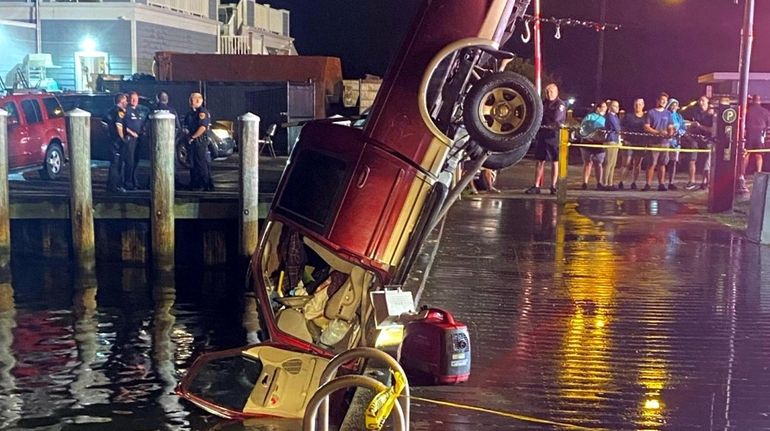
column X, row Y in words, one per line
column 53, row 162
column 503, row 112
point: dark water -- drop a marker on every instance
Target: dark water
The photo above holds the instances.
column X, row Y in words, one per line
column 107, row 353
column 618, row 314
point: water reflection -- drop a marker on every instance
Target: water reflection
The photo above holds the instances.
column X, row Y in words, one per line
column 10, row 401
column 164, row 348
column 84, row 347
column 612, row 314
column 90, row 385
column 584, row 371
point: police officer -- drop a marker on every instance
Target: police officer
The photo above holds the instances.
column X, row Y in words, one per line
column 133, row 129
column 162, row 99
column 114, row 120
column 197, row 122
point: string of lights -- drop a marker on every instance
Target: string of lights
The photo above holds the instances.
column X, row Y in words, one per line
column 566, row 22
column 573, row 22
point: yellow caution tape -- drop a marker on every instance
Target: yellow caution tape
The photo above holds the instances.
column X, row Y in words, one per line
column 631, row 147
column 502, row 413
column 762, row 150
column 382, row 404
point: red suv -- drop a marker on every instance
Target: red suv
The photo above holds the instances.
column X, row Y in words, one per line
column 37, row 136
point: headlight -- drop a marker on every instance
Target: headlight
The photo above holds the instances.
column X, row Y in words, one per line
column 221, row 133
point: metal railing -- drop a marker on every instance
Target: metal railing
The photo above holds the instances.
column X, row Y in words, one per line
column 235, row 45
column 189, row 7
column 272, row 20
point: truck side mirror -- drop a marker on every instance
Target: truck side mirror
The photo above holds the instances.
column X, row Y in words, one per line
column 12, row 121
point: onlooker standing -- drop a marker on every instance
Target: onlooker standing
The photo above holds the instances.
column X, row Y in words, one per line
column 658, row 123
column 114, row 120
column 757, row 124
column 133, row 128
column 679, row 131
column 612, row 125
column 592, row 131
column 702, row 123
column 547, row 143
column 197, row 122
column 633, row 122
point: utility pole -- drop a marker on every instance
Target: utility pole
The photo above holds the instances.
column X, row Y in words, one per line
column 538, row 51
column 747, row 41
column 600, row 57
column 38, row 29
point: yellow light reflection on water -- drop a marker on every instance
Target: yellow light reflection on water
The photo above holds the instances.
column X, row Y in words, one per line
column 588, row 270
column 589, row 278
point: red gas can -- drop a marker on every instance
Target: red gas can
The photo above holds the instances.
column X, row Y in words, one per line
column 437, row 347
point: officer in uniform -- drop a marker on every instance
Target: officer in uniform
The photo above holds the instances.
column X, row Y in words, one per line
column 162, row 99
column 114, row 120
column 197, row 122
column 133, row 129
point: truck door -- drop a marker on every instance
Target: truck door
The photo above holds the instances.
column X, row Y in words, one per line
column 376, row 187
column 29, row 150
column 18, row 134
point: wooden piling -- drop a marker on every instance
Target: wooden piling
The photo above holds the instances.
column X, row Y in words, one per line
column 81, row 200
column 249, row 183
column 5, row 213
column 162, row 204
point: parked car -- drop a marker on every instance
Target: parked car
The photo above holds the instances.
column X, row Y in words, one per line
column 221, row 144
column 354, row 205
column 37, row 137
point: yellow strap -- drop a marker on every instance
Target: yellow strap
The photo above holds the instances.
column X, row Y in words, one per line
column 762, row 150
column 504, row 414
column 382, row 404
column 631, row 147
column 279, row 290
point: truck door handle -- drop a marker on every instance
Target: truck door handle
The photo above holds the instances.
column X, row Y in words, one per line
column 362, row 177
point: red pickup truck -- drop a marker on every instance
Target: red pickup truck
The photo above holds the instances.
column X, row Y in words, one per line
column 354, row 205
column 37, row 136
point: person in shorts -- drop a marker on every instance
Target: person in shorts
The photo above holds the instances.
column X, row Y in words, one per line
column 632, row 159
column 757, row 124
column 592, row 132
column 660, row 124
column 675, row 142
column 702, row 125
column 547, row 140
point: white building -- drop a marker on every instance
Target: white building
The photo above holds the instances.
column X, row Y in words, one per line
column 120, row 37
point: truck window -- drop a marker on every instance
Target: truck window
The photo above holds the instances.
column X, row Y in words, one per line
column 53, row 108
column 31, row 111
column 312, row 193
column 13, row 113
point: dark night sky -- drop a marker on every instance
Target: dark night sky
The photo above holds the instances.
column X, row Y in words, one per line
column 663, row 45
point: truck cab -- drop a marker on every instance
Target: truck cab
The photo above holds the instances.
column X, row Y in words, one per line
column 37, row 137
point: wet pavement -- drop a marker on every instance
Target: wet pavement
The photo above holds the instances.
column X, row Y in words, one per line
column 616, row 314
